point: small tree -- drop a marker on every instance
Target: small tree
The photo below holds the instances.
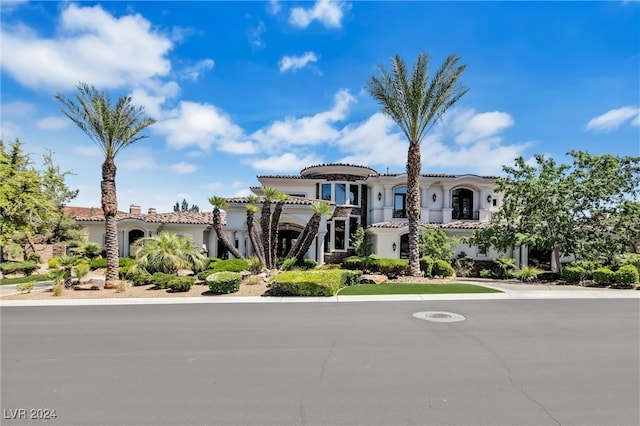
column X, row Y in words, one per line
column 435, row 243
column 360, row 243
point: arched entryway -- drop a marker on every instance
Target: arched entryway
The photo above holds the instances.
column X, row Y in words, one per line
column 404, row 246
column 462, row 204
column 134, row 235
column 286, row 240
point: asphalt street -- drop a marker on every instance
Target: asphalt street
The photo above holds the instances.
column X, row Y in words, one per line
column 510, row 362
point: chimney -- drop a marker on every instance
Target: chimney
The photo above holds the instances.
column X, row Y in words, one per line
column 133, row 209
column 152, row 210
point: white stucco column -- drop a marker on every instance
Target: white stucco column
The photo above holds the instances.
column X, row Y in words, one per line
column 388, row 196
column 446, row 202
column 320, row 247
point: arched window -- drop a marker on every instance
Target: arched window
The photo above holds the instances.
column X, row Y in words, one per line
column 400, row 202
column 462, row 204
column 404, row 246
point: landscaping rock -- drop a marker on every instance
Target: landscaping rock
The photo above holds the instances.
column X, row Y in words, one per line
column 373, row 279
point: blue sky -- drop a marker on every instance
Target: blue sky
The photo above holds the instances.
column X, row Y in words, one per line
column 241, row 89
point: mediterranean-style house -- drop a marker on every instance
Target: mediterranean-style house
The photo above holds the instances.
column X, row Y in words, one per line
column 359, row 195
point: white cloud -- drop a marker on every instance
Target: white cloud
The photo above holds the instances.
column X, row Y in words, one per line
column 18, row 109
column 53, row 123
column 273, row 7
column 328, row 13
column 472, row 127
column 153, row 96
column 234, row 147
column 88, row 151
column 213, row 186
column 183, row 168
column 195, row 124
column 612, row 119
column 193, row 72
column 255, row 35
column 294, row 63
column 139, row 164
column 9, row 130
column 92, row 46
column 315, row 129
column 287, row 162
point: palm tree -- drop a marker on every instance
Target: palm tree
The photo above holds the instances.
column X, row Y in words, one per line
column 280, row 199
column 304, row 241
column 252, row 200
column 111, row 128
column 167, row 253
column 220, row 203
column 265, row 224
column 416, row 103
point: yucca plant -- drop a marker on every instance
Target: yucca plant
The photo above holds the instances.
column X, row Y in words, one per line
column 167, row 253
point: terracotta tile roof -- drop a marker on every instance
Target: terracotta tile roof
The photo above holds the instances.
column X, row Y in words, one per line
column 291, row 200
column 456, row 224
column 88, row 214
column 442, row 175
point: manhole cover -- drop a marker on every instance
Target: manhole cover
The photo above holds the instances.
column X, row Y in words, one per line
column 439, row 316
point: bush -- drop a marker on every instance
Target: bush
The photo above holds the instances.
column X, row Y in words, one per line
column 603, row 276
column 528, row 274
column 254, row 265
column 121, row 286
column 204, row 274
column 224, row 282
column 426, row 265
column 53, row 263
column 98, row 263
column 350, row 278
column 124, row 262
column 327, row 267
column 26, row 267
column 442, row 268
column 463, row 265
column 391, row 266
column 573, row 274
column 253, row 280
column 503, row 267
column 180, row 284
column 309, row 283
column 293, row 263
column 142, row 279
column 161, row 280
column 229, row 265
column 589, row 267
column 626, row 275
column 486, row 273
column 58, row 287
column 354, row 262
column 25, row 287
column 82, row 269
column 34, row 257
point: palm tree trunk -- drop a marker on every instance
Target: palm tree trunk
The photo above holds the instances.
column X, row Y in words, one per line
column 273, row 230
column 110, row 209
column 222, row 237
column 265, row 225
column 253, row 237
column 296, row 247
column 309, row 237
column 413, row 207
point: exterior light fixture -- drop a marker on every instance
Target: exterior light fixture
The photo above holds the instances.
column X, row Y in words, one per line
column 394, row 246
column 489, row 198
column 379, row 196
column 434, row 197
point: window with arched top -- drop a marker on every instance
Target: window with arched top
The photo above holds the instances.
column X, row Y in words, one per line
column 462, row 204
column 400, row 202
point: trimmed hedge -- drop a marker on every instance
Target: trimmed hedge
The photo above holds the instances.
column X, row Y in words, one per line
column 142, row 279
column 426, row 265
column 603, row 276
column 224, row 282
column 204, row 274
column 573, row 274
column 442, row 268
column 161, row 280
column 293, row 263
column 229, row 265
column 626, row 275
column 26, row 267
column 180, row 284
column 316, row 282
column 374, row 264
column 98, row 263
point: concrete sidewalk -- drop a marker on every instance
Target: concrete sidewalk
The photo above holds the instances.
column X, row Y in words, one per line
column 509, row 291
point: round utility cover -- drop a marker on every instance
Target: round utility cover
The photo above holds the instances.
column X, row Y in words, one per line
column 438, row 316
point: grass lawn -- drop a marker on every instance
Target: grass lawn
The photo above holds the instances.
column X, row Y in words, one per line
column 20, row 280
column 399, row 288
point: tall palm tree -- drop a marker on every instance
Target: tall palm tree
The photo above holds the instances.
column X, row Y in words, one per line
column 220, row 203
column 416, row 103
column 265, row 224
column 111, row 128
column 168, row 253
column 258, row 249
column 304, row 241
column 280, row 199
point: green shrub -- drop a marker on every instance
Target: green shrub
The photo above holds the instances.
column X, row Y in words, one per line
column 589, row 267
column 253, row 280
column 204, row 274
column 92, row 250
column 628, row 259
column 58, row 287
column 350, row 278
column 254, row 265
column 603, row 276
column 503, row 267
column 327, row 267
column 354, row 262
column 528, row 273
column 142, row 279
column 304, row 264
column 308, row 283
column 626, row 275
column 229, row 265
column 224, row 282
column 25, row 287
column 34, row 257
column 81, row 270
column 442, row 268
column 53, row 263
column 180, row 284
column 124, row 262
column 388, row 266
column 573, row 274
column 98, row 263
column 426, row 265
column 160, row 280
column 26, row 267
column 486, row 273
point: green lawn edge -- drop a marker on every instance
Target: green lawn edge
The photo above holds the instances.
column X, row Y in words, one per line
column 401, row 288
column 28, row 279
